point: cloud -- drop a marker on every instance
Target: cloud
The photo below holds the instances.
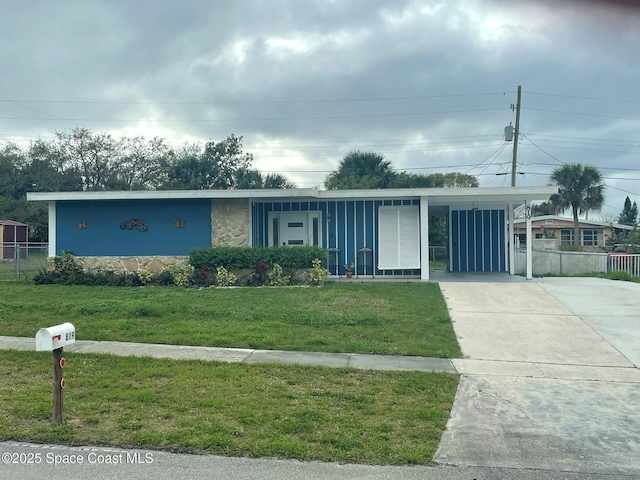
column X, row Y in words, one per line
column 429, row 84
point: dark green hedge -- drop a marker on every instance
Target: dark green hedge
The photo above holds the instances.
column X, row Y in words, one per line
column 237, row 258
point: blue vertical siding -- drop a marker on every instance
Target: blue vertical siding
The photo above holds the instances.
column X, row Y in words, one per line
column 478, row 241
column 347, row 225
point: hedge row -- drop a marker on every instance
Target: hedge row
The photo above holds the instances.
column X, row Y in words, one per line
column 238, row 258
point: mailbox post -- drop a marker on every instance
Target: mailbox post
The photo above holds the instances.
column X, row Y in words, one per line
column 54, row 339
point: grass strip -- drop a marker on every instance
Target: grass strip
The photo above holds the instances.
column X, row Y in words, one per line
column 392, row 319
column 299, row 412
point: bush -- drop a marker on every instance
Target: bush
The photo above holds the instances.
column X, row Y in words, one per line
column 239, row 258
column 277, row 278
column 260, row 273
column 224, row 278
column 163, row 278
column 67, row 272
column 317, row 274
column 181, row 275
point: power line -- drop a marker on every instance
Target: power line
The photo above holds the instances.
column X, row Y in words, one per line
column 256, row 102
column 581, row 113
column 543, row 151
column 582, row 138
column 272, row 119
column 2, row 99
column 584, row 98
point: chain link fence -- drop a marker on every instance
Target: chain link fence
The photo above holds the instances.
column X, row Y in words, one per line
column 20, row 261
column 546, row 263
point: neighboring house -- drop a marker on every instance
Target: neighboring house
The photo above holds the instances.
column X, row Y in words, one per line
column 12, row 234
column 382, row 232
column 593, row 234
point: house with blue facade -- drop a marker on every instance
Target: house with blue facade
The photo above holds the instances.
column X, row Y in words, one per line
column 382, row 233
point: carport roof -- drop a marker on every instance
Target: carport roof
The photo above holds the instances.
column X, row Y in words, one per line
column 436, row 196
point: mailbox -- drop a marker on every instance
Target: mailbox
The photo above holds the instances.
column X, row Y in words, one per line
column 58, row 336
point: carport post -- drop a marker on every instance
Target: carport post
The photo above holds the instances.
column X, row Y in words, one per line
column 424, row 238
column 512, row 247
column 527, row 215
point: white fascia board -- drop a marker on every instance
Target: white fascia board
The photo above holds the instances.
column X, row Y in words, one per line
column 172, row 194
column 442, row 196
column 437, row 196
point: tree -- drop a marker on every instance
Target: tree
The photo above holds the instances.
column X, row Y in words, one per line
column 545, row 208
column 454, row 180
column 359, row 170
column 140, row 164
column 412, row 180
column 581, row 189
column 253, row 179
column 91, row 154
column 215, row 167
column 629, row 214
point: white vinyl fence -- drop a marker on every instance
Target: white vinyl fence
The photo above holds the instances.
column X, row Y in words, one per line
column 625, row 263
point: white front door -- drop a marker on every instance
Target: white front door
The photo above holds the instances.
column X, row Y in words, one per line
column 294, row 228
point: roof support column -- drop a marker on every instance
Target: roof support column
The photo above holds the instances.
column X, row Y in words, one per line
column 424, row 238
column 512, row 246
column 52, row 229
column 527, row 214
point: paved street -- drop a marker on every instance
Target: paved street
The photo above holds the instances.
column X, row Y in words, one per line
column 172, row 466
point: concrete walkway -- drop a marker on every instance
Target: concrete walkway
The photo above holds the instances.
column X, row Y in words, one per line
column 540, row 387
column 177, row 352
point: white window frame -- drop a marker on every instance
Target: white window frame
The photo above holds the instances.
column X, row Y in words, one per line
column 398, row 237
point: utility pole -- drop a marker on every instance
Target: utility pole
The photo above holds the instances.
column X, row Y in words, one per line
column 515, row 141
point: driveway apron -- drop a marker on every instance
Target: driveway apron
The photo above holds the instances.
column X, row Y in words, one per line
column 540, row 387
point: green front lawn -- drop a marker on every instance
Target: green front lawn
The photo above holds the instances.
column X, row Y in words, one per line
column 307, row 413
column 395, row 318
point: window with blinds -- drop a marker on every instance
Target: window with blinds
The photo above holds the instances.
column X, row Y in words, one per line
column 398, row 237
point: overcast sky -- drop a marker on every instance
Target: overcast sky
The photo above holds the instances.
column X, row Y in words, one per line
column 429, row 84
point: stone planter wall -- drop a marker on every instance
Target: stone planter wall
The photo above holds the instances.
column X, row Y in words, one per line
column 152, row 264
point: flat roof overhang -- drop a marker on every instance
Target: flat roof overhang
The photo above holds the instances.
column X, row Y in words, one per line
column 436, row 196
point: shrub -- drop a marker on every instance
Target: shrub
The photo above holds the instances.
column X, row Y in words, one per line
column 144, row 277
column 181, row 275
column 317, row 274
column 163, row 278
column 239, row 258
column 225, row 278
column 260, row 272
column 276, row 277
column 65, row 271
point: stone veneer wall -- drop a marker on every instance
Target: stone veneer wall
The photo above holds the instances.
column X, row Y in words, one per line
column 230, row 222
column 152, row 264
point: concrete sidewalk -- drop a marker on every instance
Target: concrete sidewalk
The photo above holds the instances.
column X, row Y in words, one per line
column 242, row 355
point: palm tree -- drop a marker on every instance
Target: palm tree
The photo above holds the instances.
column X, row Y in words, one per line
column 361, row 170
column 581, row 188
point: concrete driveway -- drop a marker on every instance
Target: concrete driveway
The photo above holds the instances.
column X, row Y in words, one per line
column 549, row 376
